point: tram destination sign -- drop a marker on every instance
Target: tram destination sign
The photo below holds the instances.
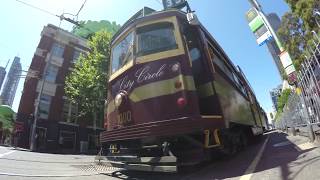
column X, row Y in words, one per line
column 174, row 4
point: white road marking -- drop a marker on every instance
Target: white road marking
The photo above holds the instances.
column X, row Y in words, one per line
column 7, row 153
column 284, row 143
column 248, row 173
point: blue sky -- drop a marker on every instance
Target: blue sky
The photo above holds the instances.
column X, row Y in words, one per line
column 224, row 19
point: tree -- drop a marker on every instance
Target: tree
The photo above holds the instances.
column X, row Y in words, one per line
column 88, row 28
column 6, row 121
column 86, row 85
column 283, row 99
column 296, row 28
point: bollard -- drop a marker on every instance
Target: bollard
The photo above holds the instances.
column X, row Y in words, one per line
column 293, row 131
column 311, row 133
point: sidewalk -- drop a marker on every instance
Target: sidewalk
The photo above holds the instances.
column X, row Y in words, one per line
column 301, row 140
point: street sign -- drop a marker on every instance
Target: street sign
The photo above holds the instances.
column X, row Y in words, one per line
column 298, row 90
column 174, row 4
column 264, row 38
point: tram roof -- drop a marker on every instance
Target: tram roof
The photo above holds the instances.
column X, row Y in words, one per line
column 147, row 14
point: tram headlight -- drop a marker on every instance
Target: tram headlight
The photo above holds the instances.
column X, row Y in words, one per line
column 119, row 99
column 175, row 67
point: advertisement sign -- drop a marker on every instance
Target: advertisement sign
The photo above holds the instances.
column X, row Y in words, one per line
column 255, row 21
column 290, row 69
column 264, row 38
column 285, row 59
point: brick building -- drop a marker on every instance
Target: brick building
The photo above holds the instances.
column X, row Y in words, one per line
column 58, row 127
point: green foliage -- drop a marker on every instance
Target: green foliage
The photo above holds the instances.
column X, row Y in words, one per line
column 88, row 28
column 86, row 85
column 296, row 26
column 283, row 99
column 6, row 118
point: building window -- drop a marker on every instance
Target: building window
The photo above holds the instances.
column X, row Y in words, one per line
column 67, row 140
column 70, row 112
column 51, row 74
column 57, row 50
column 76, row 55
column 44, row 106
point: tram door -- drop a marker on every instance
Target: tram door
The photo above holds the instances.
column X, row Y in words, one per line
column 201, row 73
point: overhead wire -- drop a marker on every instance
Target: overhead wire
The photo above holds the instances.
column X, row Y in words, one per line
column 40, row 9
column 62, row 17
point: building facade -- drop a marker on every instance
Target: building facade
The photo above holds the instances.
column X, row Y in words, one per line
column 2, row 75
column 10, row 87
column 58, row 127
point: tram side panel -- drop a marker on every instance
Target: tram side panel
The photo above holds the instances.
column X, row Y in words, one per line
column 235, row 107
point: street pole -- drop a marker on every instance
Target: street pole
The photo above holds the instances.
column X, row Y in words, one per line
column 36, row 111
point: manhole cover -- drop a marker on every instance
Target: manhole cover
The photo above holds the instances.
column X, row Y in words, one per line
column 97, row 168
column 284, row 143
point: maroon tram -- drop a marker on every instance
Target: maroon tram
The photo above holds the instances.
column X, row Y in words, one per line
column 174, row 96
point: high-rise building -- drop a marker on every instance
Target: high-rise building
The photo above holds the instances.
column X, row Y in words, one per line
column 2, row 75
column 59, row 128
column 12, row 81
column 272, row 45
column 275, row 94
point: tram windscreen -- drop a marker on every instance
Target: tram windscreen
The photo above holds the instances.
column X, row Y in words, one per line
column 122, row 52
column 155, row 38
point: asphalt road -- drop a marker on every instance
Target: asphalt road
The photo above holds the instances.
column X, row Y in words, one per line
column 275, row 156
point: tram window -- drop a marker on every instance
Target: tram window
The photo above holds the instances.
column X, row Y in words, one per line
column 195, row 54
column 193, row 43
column 220, row 63
column 155, row 38
column 122, row 52
column 239, row 84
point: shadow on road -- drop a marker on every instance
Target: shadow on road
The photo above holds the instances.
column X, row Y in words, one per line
column 284, row 156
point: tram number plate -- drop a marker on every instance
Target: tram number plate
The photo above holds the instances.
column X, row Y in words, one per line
column 124, row 118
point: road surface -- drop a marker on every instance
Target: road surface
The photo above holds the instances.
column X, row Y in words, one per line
column 277, row 157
